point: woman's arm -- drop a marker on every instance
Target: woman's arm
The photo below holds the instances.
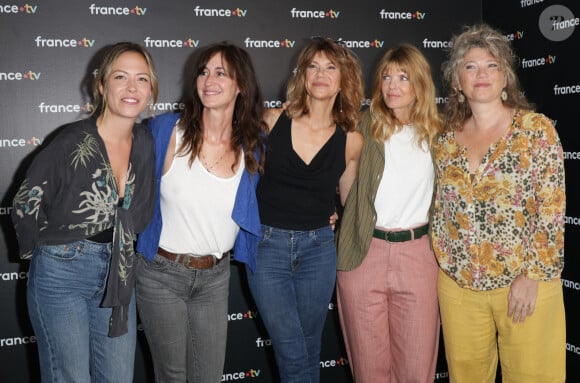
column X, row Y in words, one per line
column 31, row 203
column 354, row 145
column 545, row 259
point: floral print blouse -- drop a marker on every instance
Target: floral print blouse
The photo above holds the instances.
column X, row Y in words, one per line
column 69, row 194
column 510, row 218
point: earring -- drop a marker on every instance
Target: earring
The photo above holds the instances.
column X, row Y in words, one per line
column 340, row 101
column 504, row 95
column 460, row 97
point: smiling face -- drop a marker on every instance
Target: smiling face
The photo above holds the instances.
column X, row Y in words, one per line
column 398, row 93
column 216, row 86
column 127, row 88
column 322, row 78
column 480, row 77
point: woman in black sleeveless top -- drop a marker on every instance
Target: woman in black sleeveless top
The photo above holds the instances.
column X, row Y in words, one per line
column 312, row 149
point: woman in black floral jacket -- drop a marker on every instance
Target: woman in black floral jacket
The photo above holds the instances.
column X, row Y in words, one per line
column 76, row 214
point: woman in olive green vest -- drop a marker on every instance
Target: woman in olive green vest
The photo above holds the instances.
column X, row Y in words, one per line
column 386, row 283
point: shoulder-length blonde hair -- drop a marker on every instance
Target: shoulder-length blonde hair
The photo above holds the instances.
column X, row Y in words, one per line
column 480, row 36
column 347, row 105
column 113, row 53
column 424, row 115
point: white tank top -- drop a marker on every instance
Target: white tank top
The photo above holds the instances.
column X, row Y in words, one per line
column 405, row 191
column 196, row 207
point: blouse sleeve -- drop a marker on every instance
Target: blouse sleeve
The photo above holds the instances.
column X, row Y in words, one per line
column 32, row 201
column 545, row 258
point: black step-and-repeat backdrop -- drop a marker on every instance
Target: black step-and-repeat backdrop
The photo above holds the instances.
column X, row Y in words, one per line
column 49, row 51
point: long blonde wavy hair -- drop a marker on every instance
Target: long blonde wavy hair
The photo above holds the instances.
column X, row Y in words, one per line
column 424, row 116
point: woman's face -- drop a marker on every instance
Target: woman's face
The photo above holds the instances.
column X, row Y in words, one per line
column 398, row 93
column 216, row 87
column 127, row 88
column 322, row 78
column 480, row 77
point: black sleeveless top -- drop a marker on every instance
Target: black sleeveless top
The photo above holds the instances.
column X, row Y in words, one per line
column 293, row 195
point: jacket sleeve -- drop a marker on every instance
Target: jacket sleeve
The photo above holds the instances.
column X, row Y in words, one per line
column 31, row 204
column 160, row 128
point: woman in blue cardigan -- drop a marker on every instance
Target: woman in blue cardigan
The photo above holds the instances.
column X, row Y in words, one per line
column 207, row 160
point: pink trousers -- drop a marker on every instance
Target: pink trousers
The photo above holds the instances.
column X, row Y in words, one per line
column 389, row 313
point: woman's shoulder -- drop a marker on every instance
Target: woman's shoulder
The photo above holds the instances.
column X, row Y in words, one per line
column 68, row 138
column 531, row 115
column 163, row 120
column 533, row 121
column 271, row 116
column 162, row 125
column 366, row 119
column 354, row 141
column 74, row 131
column 445, row 139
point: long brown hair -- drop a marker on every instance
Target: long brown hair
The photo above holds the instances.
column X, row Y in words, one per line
column 248, row 125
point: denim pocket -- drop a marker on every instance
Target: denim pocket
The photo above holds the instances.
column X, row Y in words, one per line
column 64, row 252
column 266, row 234
column 158, row 263
column 323, row 236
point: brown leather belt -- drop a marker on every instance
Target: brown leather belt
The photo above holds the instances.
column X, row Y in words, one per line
column 191, row 261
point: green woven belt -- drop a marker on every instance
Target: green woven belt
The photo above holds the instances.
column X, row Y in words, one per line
column 401, row 236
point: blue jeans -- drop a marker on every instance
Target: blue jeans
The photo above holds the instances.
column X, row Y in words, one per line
column 65, row 288
column 292, row 287
column 184, row 313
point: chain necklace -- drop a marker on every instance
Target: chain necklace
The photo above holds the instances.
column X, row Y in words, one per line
column 204, row 161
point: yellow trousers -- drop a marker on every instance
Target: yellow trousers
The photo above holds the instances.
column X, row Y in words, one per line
column 476, row 328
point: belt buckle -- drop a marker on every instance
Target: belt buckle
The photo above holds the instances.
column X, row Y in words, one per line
column 388, row 235
column 201, row 261
column 183, row 259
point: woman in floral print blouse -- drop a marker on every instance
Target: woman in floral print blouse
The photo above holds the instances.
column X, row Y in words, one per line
column 498, row 221
column 76, row 214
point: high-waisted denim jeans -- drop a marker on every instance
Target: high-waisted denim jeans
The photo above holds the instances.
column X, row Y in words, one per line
column 65, row 288
column 185, row 317
column 292, row 286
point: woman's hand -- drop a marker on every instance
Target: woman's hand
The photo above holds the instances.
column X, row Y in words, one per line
column 522, row 298
column 333, row 219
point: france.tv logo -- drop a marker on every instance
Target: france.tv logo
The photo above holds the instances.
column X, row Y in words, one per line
column 96, row 10
column 219, row 12
column 27, row 9
column 18, row 76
